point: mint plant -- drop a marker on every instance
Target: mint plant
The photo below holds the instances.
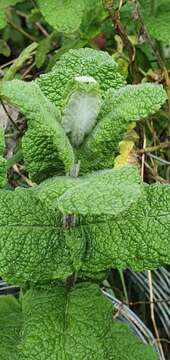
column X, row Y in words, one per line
column 59, row 238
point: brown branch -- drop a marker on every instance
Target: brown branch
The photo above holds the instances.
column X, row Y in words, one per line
column 119, row 29
column 154, row 148
column 152, row 310
column 10, row 118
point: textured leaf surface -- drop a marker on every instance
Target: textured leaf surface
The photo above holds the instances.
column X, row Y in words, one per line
column 93, row 16
column 32, row 241
column 2, row 160
column 108, row 192
column 64, row 15
column 81, row 62
column 76, row 324
column 83, row 103
column 46, row 148
column 10, row 326
column 4, row 4
column 35, row 244
column 121, row 107
column 157, row 19
column 137, row 239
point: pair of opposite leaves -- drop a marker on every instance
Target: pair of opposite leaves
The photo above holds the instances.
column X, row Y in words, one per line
column 119, row 223
column 103, row 106
column 34, row 243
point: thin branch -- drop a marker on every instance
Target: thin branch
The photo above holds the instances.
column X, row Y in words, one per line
column 23, row 177
column 151, row 296
column 165, row 145
column 10, row 118
column 119, row 29
column 19, row 29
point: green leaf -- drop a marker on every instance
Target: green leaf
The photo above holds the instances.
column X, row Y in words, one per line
column 83, row 103
column 94, row 14
column 157, row 18
column 36, row 245
column 81, row 62
column 4, row 4
column 10, row 327
column 32, row 241
column 76, row 324
column 138, row 238
column 63, row 15
column 46, row 148
column 44, row 46
column 121, row 107
column 108, row 192
column 4, row 48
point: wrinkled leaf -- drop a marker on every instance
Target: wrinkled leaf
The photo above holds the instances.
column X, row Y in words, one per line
column 31, row 239
column 52, row 326
column 63, row 15
column 137, row 238
column 46, row 148
column 37, row 243
column 80, row 62
column 108, row 192
column 10, row 326
column 121, row 107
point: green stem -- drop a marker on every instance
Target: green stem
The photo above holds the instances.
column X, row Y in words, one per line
column 124, row 286
column 19, row 29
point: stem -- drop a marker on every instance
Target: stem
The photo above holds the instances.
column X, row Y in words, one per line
column 119, row 29
column 152, row 310
column 124, row 286
column 155, row 148
column 10, row 118
column 19, row 29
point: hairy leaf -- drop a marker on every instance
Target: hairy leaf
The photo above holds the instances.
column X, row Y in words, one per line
column 53, row 328
column 10, row 326
column 46, row 148
column 64, row 15
column 80, row 62
column 83, row 102
column 107, row 192
column 121, row 107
